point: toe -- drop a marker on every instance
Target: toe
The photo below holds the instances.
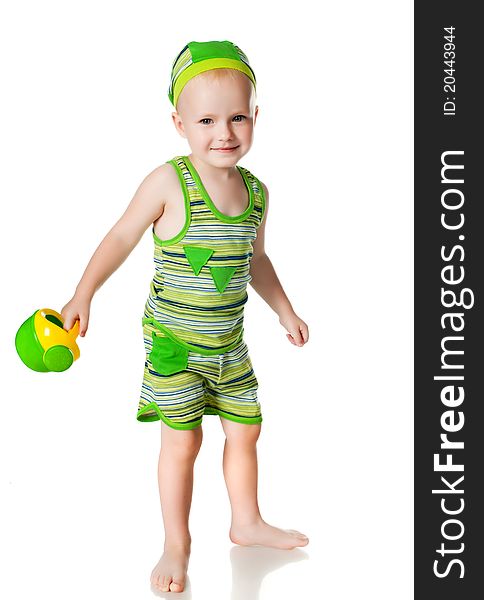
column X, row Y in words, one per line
column 298, row 534
column 176, row 587
column 178, row 583
column 165, row 584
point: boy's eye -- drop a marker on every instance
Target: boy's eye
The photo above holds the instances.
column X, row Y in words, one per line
column 241, row 117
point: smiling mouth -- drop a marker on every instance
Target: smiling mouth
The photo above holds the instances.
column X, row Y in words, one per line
column 226, row 149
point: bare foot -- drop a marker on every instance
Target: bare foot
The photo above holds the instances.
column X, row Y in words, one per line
column 262, row 534
column 169, row 574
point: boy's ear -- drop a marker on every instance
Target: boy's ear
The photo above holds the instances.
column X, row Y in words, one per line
column 256, row 112
column 178, row 124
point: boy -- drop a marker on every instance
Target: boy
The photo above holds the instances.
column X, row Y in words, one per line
column 208, row 218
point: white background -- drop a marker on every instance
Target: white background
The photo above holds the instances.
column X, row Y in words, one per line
column 84, row 118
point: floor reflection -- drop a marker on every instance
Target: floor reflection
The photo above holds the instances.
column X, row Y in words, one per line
column 250, row 564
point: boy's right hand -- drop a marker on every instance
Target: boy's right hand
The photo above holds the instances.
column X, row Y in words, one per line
column 77, row 309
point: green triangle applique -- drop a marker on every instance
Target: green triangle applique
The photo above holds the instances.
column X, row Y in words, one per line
column 222, row 276
column 197, row 257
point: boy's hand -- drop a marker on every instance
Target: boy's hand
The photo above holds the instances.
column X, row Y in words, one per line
column 77, row 309
column 298, row 330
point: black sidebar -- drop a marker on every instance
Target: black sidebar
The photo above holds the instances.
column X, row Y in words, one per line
column 449, row 332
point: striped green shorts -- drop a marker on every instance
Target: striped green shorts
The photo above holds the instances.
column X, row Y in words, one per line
column 180, row 386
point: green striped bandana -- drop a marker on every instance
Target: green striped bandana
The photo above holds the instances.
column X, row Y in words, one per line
column 197, row 57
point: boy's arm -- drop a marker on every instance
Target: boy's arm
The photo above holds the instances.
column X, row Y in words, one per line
column 266, row 283
column 145, row 207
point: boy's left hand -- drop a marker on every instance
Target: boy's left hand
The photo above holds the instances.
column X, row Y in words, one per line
column 298, row 330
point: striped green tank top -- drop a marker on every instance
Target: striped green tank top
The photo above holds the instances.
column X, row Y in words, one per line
column 199, row 288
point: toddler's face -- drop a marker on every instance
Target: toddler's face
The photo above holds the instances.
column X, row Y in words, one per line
column 217, row 113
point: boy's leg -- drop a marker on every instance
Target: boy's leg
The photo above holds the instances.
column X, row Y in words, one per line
column 240, row 472
column 179, row 449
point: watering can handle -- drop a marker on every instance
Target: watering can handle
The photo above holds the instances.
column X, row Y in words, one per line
column 74, row 331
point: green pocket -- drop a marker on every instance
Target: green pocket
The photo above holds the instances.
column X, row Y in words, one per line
column 167, row 357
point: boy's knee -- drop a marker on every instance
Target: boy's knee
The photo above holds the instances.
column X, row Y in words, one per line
column 240, row 433
column 183, row 442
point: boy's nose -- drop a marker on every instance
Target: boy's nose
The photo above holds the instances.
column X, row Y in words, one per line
column 224, row 133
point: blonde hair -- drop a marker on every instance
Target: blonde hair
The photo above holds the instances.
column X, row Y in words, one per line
column 221, row 74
